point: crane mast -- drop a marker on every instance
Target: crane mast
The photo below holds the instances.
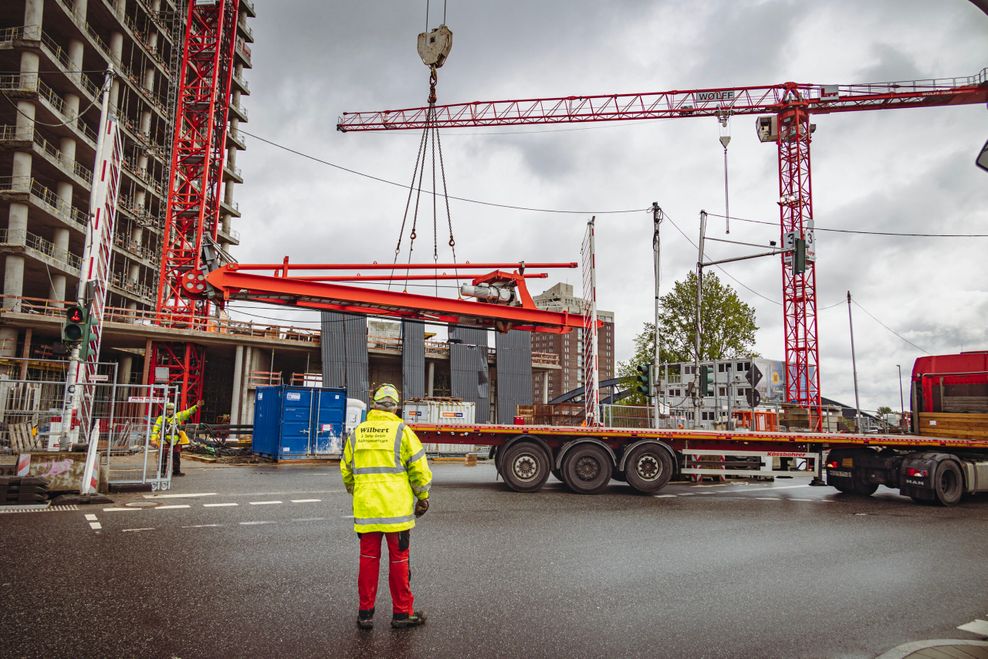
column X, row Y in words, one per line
column 789, row 107
column 195, row 180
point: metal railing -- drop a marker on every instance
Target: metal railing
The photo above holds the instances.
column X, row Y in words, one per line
column 48, row 248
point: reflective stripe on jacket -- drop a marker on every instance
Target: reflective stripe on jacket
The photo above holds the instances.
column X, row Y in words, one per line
column 385, row 469
column 166, row 423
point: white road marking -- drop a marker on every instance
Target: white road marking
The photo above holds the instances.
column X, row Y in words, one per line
column 263, row 503
column 119, row 510
column 90, row 518
column 96, row 526
column 713, row 485
column 768, row 498
column 180, row 496
column 347, row 516
column 219, row 505
column 976, row 626
column 691, row 494
column 202, row 526
column 173, row 506
column 308, row 519
column 665, row 496
column 759, row 489
column 146, row 528
column 794, row 499
column 306, row 500
column 256, row 523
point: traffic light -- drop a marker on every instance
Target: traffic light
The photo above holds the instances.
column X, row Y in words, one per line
column 643, row 381
column 74, row 327
column 799, row 257
column 706, row 382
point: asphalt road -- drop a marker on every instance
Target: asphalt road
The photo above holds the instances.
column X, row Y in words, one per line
column 744, row 569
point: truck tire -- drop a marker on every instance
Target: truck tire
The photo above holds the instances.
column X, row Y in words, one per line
column 948, row 484
column 864, row 488
column 648, row 468
column 525, row 467
column 587, row 469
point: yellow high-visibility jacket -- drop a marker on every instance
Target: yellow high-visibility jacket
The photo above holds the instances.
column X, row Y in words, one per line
column 385, row 469
column 163, row 425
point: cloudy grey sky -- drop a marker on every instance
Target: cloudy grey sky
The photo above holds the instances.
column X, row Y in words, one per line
column 900, row 170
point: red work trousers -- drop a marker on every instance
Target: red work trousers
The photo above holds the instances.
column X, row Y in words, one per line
column 398, row 571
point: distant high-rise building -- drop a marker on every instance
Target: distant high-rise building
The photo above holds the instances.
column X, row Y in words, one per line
column 547, row 384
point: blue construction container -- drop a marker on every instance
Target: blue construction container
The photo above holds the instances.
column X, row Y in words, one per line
column 292, row 423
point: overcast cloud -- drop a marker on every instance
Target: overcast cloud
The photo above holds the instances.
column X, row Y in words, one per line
column 901, row 170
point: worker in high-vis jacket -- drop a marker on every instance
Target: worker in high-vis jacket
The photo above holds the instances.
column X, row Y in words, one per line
column 166, row 426
column 385, row 469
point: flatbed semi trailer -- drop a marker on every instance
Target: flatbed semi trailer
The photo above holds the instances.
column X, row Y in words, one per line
column 939, row 469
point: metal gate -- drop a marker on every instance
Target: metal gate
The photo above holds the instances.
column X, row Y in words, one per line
column 31, row 422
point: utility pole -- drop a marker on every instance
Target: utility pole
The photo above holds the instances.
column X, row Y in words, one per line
column 854, row 367
column 657, row 217
column 697, row 401
column 902, row 404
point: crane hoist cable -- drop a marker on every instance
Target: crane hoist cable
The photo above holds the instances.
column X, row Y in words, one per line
column 725, row 139
column 433, row 48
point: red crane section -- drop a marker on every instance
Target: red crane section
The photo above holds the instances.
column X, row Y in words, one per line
column 502, row 298
column 712, row 102
column 195, row 180
column 790, row 104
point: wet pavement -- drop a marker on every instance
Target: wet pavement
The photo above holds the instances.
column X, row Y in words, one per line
column 260, row 561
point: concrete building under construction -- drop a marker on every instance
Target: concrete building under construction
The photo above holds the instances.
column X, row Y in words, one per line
column 53, row 59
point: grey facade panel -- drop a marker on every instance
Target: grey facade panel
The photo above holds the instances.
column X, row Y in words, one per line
column 514, row 373
column 343, row 348
column 412, row 359
column 469, row 378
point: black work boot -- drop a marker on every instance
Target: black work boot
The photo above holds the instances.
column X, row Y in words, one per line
column 405, row 620
column 365, row 619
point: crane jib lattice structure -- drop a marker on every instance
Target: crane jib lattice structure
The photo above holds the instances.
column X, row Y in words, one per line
column 194, row 192
column 789, row 106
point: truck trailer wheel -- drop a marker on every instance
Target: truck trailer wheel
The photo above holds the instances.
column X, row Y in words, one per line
column 587, row 469
column 949, row 483
column 525, row 466
column 648, row 468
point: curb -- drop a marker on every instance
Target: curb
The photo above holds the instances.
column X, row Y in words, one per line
column 906, row 649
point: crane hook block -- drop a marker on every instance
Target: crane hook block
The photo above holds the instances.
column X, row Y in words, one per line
column 434, row 46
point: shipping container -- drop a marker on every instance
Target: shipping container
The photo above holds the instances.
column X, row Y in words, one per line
column 293, row 423
column 441, row 412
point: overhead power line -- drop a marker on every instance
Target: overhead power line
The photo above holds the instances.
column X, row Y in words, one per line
column 463, row 199
column 875, row 318
column 898, row 234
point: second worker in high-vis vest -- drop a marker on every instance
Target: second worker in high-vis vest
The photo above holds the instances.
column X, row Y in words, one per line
column 385, row 469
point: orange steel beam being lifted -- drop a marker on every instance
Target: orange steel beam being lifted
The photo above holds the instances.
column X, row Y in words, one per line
column 514, row 308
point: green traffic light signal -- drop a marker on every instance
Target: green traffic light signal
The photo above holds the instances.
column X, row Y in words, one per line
column 74, row 327
column 643, row 381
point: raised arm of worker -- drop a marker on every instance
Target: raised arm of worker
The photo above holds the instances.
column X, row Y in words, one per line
column 184, row 415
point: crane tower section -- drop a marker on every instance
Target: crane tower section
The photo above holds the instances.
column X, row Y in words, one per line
column 195, row 182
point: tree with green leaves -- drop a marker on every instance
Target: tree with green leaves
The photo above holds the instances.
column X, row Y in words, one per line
column 728, row 328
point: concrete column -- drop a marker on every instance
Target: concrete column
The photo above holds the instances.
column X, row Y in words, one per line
column 67, row 146
column 545, row 387
column 146, row 122
column 58, row 281
column 34, row 11
column 231, row 156
column 22, row 165
column 134, row 273
column 430, row 382
column 25, row 120
column 80, row 10
column 29, row 66
column 8, row 340
column 76, row 49
column 120, row 6
column 125, row 370
column 71, row 106
column 149, row 79
column 238, row 374
column 116, row 46
column 246, row 404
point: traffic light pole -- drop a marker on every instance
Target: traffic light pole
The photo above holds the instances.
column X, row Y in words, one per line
column 697, row 400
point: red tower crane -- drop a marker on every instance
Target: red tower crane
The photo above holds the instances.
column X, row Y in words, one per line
column 195, row 179
column 789, row 106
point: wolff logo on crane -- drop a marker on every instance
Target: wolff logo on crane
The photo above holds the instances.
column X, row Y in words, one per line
column 721, row 95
